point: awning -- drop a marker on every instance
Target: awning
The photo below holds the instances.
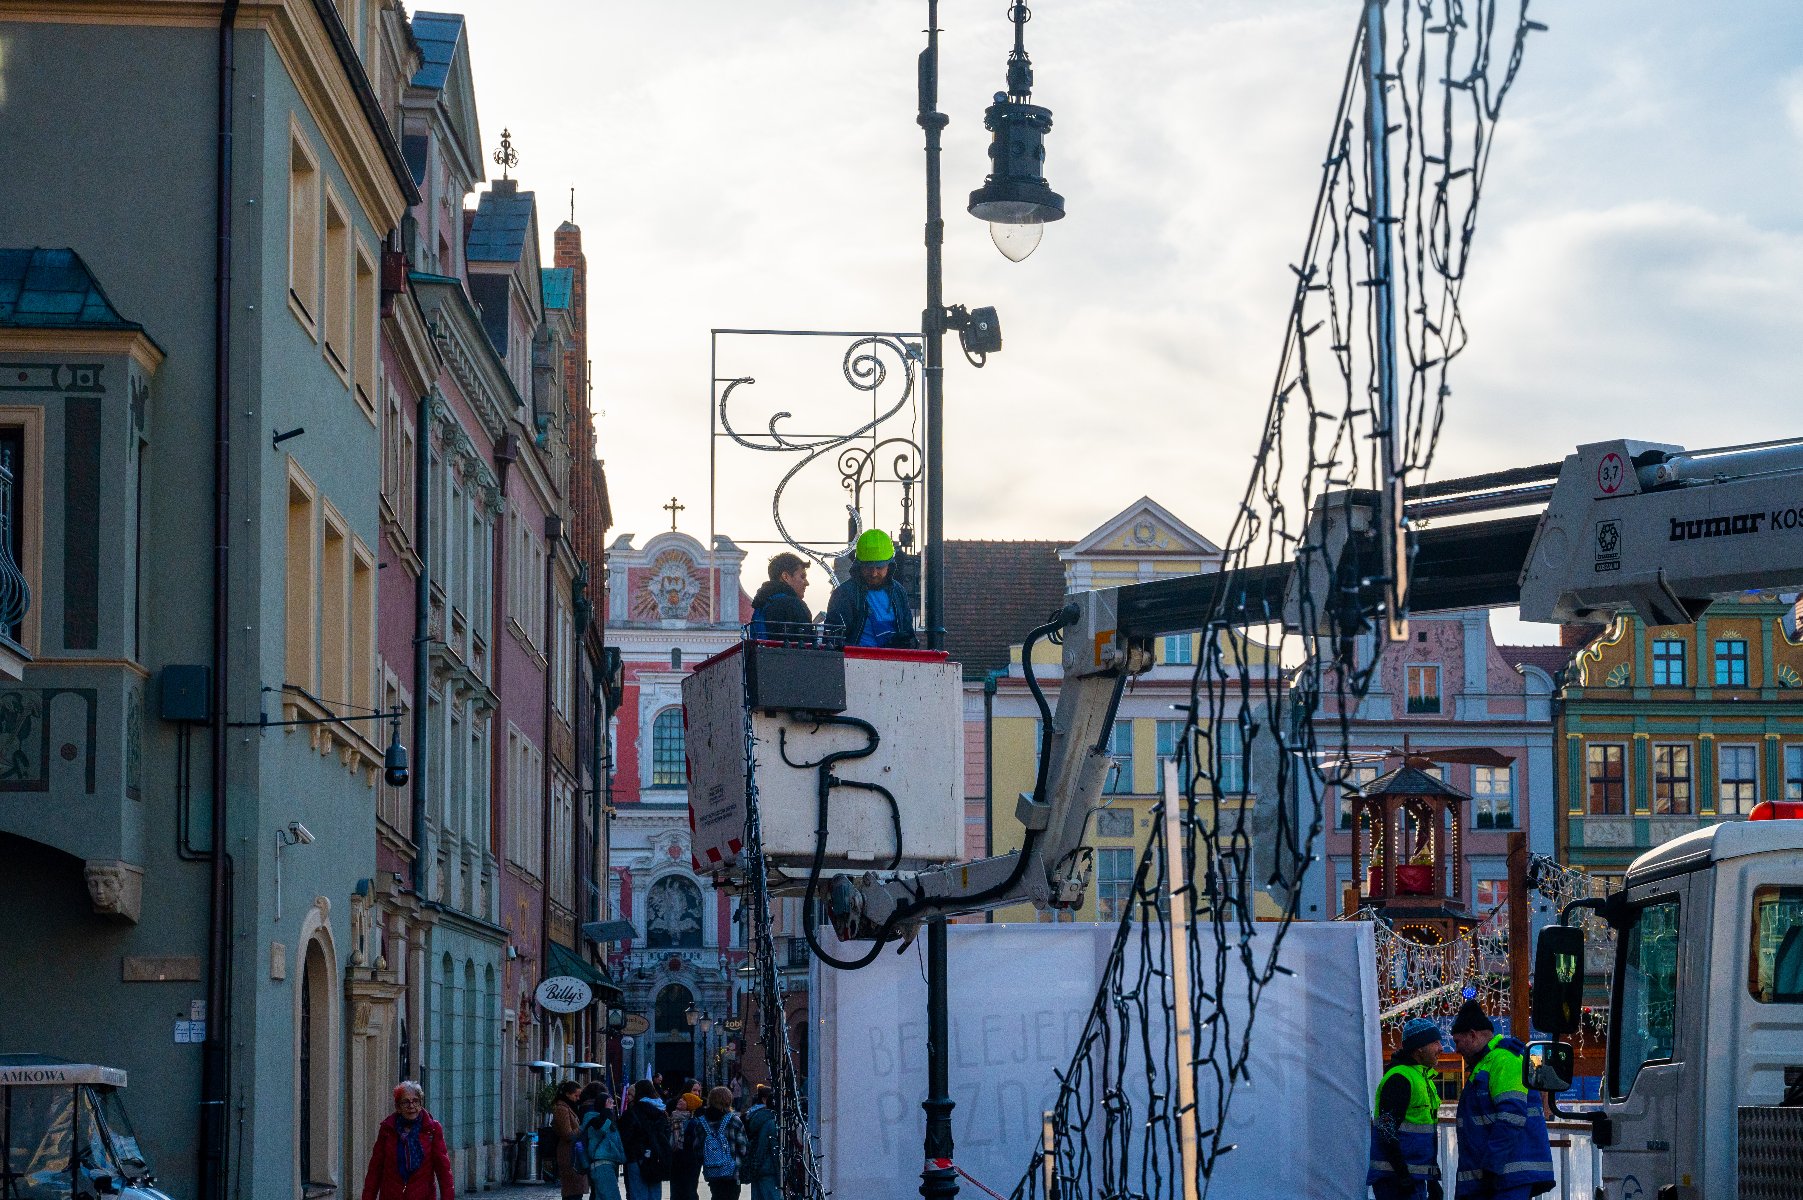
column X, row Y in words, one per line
column 565, row 961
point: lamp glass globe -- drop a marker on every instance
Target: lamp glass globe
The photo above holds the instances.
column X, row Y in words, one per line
column 1016, row 241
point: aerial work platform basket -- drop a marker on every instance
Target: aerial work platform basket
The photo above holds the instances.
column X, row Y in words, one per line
column 877, row 733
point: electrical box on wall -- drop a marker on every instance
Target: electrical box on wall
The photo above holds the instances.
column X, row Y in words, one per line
column 743, row 736
column 184, row 693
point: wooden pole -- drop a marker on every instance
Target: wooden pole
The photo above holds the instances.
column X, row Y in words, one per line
column 1521, row 954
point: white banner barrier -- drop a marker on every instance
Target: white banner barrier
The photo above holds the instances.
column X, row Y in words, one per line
column 1019, row 997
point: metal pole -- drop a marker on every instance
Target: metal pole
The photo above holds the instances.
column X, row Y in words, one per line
column 1388, row 427
column 938, row 1178
column 1521, row 955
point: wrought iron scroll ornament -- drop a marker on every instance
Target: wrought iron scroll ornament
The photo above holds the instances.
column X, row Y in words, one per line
column 860, row 466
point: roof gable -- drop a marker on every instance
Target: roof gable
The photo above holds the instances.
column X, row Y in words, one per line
column 1143, row 527
column 444, row 51
column 559, row 286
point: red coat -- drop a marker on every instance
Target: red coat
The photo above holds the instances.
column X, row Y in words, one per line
column 383, row 1179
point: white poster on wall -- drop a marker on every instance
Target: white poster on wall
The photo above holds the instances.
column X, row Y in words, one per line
column 1019, row 997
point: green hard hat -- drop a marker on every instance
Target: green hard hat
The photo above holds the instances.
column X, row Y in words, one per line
column 874, row 546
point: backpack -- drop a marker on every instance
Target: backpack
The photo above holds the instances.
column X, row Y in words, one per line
column 717, row 1161
column 654, row 1154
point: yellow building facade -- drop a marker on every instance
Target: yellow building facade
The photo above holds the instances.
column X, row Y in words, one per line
column 1142, row 543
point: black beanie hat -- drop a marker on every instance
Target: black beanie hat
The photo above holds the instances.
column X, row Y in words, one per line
column 1471, row 1018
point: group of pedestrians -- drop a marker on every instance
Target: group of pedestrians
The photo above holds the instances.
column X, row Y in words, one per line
column 683, row 1143
column 600, row 1153
column 1504, row 1152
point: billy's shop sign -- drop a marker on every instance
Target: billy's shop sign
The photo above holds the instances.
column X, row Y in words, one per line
column 563, row 994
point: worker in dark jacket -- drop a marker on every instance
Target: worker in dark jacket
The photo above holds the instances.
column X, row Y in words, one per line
column 1504, row 1153
column 777, row 611
column 1405, row 1163
column 871, row 608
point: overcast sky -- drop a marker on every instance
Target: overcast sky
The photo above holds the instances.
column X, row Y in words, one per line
column 755, row 163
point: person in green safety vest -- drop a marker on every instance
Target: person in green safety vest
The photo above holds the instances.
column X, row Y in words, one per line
column 1504, row 1153
column 1405, row 1159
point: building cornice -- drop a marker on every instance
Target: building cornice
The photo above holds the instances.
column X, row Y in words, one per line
column 114, row 343
column 458, row 333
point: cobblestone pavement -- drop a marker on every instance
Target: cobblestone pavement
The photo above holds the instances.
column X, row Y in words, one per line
column 526, row 1191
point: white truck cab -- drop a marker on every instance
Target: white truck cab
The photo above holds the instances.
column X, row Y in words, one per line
column 1703, row 1088
column 65, row 1135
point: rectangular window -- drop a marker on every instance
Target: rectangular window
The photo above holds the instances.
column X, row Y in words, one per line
column 1668, row 663
column 1738, row 789
column 1114, row 883
column 1351, row 780
column 335, row 301
column 1730, row 662
column 395, row 807
column 367, row 298
column 669, row 761
column 1775, row 971
column 363, row 631
column 1643, row 1025
column 1120, row 746
column 1424, row 688
column 303, row 231
column 1608, row 778
column 1229, row 751
column 1671, row 779
column 1490, row 900
column 302, row 613
column 334, row 612
column 1793, row 772
column 1170, row 741
column 1493, row 797
column 563, row 814
column 1179, row 650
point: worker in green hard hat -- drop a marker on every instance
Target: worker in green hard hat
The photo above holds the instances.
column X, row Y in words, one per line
column 871, row 607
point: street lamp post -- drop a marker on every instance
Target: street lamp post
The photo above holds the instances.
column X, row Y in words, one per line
column 1014, row 195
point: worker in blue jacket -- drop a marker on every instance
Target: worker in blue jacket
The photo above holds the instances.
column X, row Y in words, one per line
column 871, row 608
column 1503, row 1149
column 1405, row 1150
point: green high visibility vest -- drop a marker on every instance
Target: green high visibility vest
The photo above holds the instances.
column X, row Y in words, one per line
column 1424, row 1098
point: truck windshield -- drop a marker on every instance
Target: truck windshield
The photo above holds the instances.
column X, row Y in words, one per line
column 1775, row 972
column 1646, row 993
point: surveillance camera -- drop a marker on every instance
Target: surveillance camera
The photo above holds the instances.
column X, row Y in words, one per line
column 394, row 765
column 300, row 833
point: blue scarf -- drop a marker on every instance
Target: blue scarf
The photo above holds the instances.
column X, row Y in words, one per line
column 408, row 1152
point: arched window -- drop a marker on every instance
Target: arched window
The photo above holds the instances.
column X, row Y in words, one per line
column 471, row 1052
column 668, row 765
column 672, row 1010
column 673, row 915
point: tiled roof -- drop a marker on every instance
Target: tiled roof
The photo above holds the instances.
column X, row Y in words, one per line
column 558, row 283
column 1551, row 659
column 1411, row 781
column 503, row 216
column 437, row 35
column 995, row 591
column 53, row 289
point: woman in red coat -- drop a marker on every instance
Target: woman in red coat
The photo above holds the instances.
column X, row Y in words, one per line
column 410, row 1161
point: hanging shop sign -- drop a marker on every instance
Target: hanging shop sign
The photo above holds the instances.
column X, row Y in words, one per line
column 563, row 994
column 635, row 1024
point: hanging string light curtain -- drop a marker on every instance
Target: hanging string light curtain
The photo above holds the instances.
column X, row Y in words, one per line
column 1262, row 716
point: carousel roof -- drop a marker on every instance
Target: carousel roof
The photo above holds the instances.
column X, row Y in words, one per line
column 1410, row 780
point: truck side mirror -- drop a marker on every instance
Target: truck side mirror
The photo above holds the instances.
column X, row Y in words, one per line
column 1550, row 1066
column 1557, row 1003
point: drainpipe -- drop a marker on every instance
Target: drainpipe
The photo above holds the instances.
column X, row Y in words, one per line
column 553, row 535
column 216, row 1057
column 422, row 637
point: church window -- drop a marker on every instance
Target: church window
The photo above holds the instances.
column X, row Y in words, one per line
column 669, row 764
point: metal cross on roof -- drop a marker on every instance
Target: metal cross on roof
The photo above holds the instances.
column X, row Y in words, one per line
column 505, row 157
column 673, row 508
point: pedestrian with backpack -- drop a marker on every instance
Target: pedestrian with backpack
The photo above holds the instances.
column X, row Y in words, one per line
column 722, row 1145
column 761, row 1169
column 645, row 1136
column 685, row 1179
column 599, row 1138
